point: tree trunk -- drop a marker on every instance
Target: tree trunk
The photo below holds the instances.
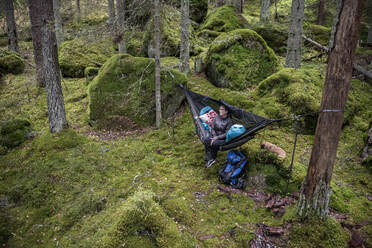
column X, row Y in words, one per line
column 121, row 4
column 58, row 21
column 265, row 11
column 11, row 26
column 78, row 11
column 294, row 43
column 56, row 107
column 185, row 43
column 320, row 19
column 157, row 62
column 238, row 4
column 111, row 12
column 34, row 10
column 367, row 150
column 369, row 39
column 220, row 3
column 276, row 10
column 315, row 192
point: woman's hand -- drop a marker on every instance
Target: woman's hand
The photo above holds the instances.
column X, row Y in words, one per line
column 213, row 140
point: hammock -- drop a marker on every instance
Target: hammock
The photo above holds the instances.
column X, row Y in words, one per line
column 253, row 123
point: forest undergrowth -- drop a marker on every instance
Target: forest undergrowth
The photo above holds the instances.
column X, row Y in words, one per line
column 85, row 187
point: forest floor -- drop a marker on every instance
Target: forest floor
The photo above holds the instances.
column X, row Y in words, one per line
column 76, row 188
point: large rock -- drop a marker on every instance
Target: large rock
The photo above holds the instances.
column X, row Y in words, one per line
column 291, row 92
column 10, row 62
column 170, row 20
column 77, row 54
column 124, row 87
column 141, row 222
column 222, row 19
column 275, row 35
column 198, row 8
column 239, row 59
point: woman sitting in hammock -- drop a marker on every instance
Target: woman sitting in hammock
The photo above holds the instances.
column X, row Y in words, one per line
column 217, row 138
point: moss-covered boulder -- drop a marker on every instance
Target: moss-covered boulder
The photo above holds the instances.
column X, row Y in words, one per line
column 13, row 133
column 275, row 36
column 319, row 33
column 239, row 59
column 89, row 73
column 198, row 8
column 10, row 62
column 170, row 19
column 76, row 55
column 291, row 92
column 141, row 222
column 124, row 86
column 222, row 19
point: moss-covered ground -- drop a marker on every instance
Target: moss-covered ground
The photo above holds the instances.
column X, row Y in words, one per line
column 148, row 188
column 71, row 188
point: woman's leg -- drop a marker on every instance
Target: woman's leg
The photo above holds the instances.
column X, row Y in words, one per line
column 215, row 147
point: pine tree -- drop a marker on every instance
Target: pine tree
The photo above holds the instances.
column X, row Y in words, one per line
column 157, row 63
column 265, row 11
column 185, row 43
column 34, row 10
column 56, row 107
column 58, row 21
column 316, row 191
column 11, row 25
column 294, row 43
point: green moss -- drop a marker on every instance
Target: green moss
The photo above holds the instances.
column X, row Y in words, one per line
column 66, row 139
column 125, row 86
column 76, row 55
column 222, row 19
column 141, row 216
column 170, row 19
column 275, row 36
column 319, row 233
column 10, row 62
column 179, row 209
column 240, row 50
column 319, row 33
column 13, row 133
column 89, row 73
column 368, row 163
column 297, row 91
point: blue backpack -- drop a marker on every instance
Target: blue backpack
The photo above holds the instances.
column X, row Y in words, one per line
column 233, row 171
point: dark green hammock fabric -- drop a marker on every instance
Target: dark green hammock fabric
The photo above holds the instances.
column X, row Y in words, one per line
column 253, row 123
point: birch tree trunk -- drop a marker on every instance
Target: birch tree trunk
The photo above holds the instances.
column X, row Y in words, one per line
column 265, row 11
column 11, row 26
column 56, row 107
column 157, row 62
column 369, row 39
column 316, row 191
column 34, row 10
column 320, row 19
column 294, row 43
column 121, row 4
column 185, row 33
column 58, row 21
column 78, row 11
column 111, row 12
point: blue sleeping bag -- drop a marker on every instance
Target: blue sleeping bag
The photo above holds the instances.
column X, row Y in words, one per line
column 235, row 131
